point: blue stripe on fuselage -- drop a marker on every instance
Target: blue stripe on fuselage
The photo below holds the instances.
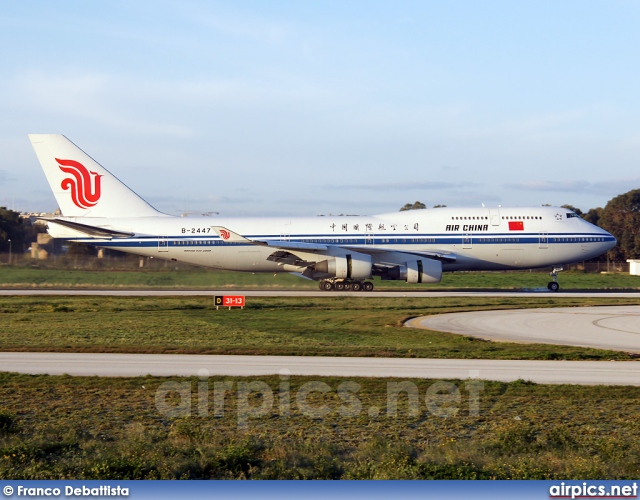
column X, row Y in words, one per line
column 378, row 239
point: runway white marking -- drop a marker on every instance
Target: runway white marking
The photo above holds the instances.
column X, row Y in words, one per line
column 612, row 327
column 166, row 365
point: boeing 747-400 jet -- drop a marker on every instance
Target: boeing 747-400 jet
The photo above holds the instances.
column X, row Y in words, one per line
column 340, row 252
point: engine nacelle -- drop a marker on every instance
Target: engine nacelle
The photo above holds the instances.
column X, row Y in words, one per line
column 421, row 271
column 352, row 266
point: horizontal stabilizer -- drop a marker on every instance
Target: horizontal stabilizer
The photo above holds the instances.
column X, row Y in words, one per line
column 93, row 231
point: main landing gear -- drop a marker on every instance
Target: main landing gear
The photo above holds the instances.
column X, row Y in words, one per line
column 554, row 286
column 345, row 285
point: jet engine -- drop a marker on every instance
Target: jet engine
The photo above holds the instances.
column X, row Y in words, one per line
column 352, row 266
column 416, row 271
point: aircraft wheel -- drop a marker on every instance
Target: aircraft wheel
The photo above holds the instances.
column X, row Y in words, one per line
column 553, row 286
column 338, row 286
column 367, row 286
column 347, row 285
column 356, row 286
column 327, row 286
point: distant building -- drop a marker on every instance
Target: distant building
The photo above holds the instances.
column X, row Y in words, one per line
column 34, row 217
column 634, row 266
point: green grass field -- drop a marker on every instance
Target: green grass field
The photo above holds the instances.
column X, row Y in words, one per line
column 322, row 326
column 100, row 428
column 93, row 428
column 28, row 277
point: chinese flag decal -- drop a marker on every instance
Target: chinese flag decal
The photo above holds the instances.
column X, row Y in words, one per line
column 516, row 225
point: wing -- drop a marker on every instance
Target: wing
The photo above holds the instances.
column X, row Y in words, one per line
column 445, row 257
column 318, row 261
column 232, row 237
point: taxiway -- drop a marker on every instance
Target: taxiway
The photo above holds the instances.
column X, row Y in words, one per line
column 607, row 327
column 166, row 365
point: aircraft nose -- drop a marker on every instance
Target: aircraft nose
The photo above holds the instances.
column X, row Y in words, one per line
column 611, row 239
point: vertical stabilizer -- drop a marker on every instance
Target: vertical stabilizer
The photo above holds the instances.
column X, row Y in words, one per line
column 82, row 187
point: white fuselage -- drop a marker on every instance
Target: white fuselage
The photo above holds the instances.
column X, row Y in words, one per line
column 476, row 238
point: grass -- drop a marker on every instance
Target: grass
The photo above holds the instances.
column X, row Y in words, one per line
column 41, row 277
column 323, row 326
column 101, row 428
column 93, row 428
column 195, row 279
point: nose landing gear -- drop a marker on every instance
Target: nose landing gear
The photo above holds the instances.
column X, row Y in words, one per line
column 554, row 286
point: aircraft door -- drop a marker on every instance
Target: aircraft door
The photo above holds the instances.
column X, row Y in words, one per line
column 544, row 240
column 495, row 216
column 467, row 241
column 163, row 244
column 285, row 234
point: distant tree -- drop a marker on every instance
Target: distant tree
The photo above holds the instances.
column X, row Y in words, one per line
column 439, row 206
column 416, row 206
column 621, row 217
column 81, row 250
column 593, row 215
column 575, row 209
column 14, row 228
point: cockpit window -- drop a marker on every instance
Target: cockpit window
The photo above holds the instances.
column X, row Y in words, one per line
column 571, row 215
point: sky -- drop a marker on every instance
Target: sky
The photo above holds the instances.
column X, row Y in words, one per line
column 327, row 107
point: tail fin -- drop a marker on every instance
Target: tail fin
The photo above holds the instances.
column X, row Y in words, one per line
column 82, row 187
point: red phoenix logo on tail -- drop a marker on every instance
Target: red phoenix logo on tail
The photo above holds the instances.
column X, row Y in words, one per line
column 85, row 189
column 225, row 234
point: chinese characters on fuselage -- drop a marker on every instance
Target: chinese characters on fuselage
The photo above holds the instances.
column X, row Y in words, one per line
column 381, row 227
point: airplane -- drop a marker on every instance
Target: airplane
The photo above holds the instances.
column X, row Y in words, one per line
column 340, row 252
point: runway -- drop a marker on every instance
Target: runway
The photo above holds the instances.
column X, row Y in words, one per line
column 612, row 327
column 311, row 293
column 167, row 365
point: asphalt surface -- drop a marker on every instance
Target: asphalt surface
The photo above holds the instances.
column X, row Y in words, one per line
column 165, row 365
column 611, row 327
column 543, row 292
